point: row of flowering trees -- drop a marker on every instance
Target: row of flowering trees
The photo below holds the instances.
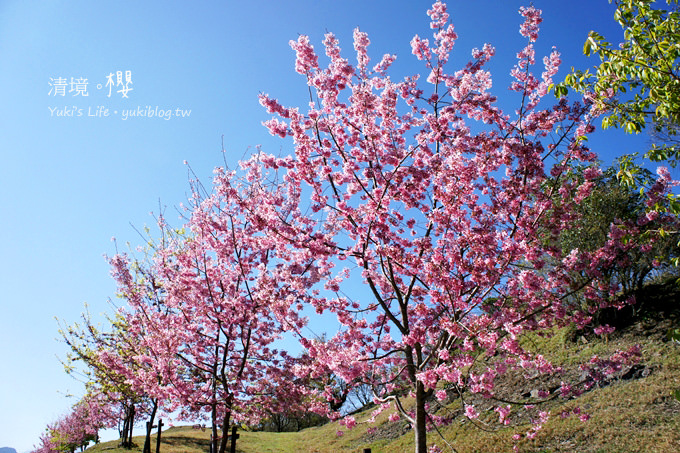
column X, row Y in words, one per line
column 418, row 212
column 87, row 343
column 77, row 428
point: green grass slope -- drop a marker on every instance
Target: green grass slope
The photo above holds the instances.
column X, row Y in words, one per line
column 634, row 412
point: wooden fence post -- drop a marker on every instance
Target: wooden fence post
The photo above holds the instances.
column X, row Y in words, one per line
column 234, row 436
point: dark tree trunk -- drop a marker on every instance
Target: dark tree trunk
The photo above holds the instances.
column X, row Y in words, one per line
column 149, row 427
column 225, row 430
column 214, row 432
column 131, row 424
column 124, row 432
column 421, row 418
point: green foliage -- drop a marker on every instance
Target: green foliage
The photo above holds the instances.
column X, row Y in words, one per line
column 291, row 421
column 674, row 335
column 637, row 82
column 613, row 202
column 86, row 340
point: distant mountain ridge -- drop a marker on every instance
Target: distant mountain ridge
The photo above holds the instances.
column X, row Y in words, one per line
column 7, row 450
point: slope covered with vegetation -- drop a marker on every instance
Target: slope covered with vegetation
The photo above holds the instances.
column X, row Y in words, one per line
column 632, row 410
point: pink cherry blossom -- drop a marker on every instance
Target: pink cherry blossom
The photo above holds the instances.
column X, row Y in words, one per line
column 471, row 412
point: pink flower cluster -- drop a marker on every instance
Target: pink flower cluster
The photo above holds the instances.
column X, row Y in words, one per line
column 532, row 20
column 599, row 370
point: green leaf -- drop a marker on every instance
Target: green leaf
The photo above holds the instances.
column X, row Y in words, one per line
column 560, row 90
column 674, row 206
column 589, row 46
column 674, row 335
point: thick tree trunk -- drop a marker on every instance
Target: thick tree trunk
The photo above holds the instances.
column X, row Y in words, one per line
column 421, row 419
column 225, row 431
column 127, row 428
column 214, row 436
column 131, row 424
column 149, row 427
column 124, row 432
column 414, row 357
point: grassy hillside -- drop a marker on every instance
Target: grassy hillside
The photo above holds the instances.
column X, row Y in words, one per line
column 634, row 412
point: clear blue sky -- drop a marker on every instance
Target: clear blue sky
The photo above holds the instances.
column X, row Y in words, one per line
column 68, row 184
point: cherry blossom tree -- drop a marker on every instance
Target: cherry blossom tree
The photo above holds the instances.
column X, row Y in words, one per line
column 77, row 428
column 206, row 316
column 109, row 379
column 406, row 205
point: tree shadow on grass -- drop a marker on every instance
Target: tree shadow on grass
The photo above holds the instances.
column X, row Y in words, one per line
column 186, row 441
column 190, row 442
